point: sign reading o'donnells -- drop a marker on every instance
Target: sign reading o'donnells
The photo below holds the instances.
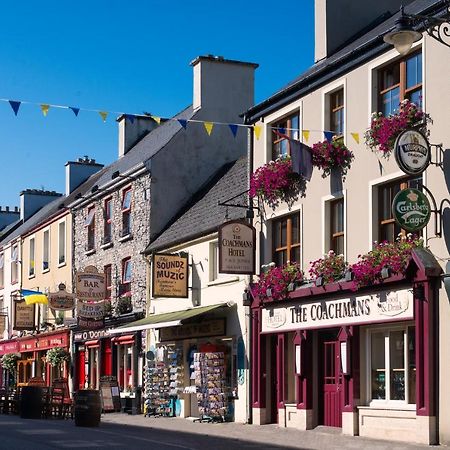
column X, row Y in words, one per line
column 90, row 284
column 411, row 209
column 412, row 152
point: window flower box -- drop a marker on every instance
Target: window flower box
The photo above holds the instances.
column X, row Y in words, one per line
column 330, row 268
column 332, row 155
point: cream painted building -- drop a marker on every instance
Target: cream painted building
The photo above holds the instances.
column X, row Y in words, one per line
column 395, row 384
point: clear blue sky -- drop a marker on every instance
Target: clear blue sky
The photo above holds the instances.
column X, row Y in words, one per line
column 129, row 56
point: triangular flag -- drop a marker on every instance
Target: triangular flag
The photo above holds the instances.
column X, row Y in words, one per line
column 282, row 130
column 129, row 117
column 257, row 129
column 45, row 108
column 208, row 127
column 156, row 119
column 182, row 122
column 233, row 128
column 328, row 135
column 355, row 136
column 103, row 115
column 75, row 110
column 305, row 134
column 15, row 106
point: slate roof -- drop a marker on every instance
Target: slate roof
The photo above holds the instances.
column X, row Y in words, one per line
column 358, row 51
column 203, row 214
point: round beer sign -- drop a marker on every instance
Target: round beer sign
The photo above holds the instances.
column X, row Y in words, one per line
column 412, row 152
column 411, row 209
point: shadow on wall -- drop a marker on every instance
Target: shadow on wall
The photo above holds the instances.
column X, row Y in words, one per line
column 446, row 210
column 196, row 283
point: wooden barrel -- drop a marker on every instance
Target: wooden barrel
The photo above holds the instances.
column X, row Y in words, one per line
column 88, row 408
column 31, row 402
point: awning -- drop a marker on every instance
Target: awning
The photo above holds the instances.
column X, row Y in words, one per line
column 170, row 319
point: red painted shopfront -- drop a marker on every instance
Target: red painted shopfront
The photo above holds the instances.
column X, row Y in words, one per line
column 6, row 347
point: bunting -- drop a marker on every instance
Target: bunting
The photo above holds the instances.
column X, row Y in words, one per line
column 156, row 119
column 208, row 127
column 129, row 117
column 305, row 134
column 328, row 135
column 15, row 106
column 355, row 136
column 257, row 130
column 182, row 122
column 75, row 110
column 233, row 128
column 103, row 115
column 44, row 109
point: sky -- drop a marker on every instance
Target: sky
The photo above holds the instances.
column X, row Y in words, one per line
column 125, row 56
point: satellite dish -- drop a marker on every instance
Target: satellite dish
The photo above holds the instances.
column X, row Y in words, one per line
column 150, row 355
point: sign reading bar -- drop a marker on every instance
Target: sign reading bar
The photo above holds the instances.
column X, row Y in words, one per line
column 237, row 248
column 90, row 284
column 170, row 275
column 412, row 152
column 380, row 307
column 61, row 300
column 23, row 316
column 194, row 330
column 411, row 209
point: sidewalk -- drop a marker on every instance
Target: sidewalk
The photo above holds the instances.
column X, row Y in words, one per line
column 320, row 438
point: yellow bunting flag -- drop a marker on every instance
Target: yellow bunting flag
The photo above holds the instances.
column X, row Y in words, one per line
column 103, row 115
column 208, row 127
column 157, row 119
column 355, row 136
column 257, row 130
column 44, row 109
column 305, row 134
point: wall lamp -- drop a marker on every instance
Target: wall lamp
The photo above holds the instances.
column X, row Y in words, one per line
column 403, row 36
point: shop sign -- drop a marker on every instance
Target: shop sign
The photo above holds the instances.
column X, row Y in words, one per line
column 193, row 330
column 28, row 345
column 170, row 275
column 412, row 152
column 91, row 310
column 411, row 209
column 9, row 347
column 237, row 247
column 81, row 336
column 23, row 316
column 380, row 307
column 90, row 284
column 90, row 324
column 61, row 300
column 58, row 340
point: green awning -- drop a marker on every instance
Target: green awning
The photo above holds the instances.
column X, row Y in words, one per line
column 169, row 319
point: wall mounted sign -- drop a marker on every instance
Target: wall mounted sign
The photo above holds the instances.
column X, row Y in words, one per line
column 411, row 209
column 194, row 330
column 90, row 324
column 90, row 284
column 81, row 336
column 9, row 347
column 61, row 300
column 412, row 152
column 237, row 247
column 23, row 316
column 170, row 275
column 380, row 307
column 93, row 310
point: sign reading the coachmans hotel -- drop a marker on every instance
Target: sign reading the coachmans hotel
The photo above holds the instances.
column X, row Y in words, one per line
column 237, row 248
column 381, row 307
column 170, row 275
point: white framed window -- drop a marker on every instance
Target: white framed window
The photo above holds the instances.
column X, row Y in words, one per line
column 32, row 256
column 14, row 264
column 334, row 223
column 2, row 270
column 214, row 262
column 46, row 251
column 62, row 243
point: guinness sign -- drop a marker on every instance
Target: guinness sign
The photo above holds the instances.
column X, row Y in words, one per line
column 412, row 152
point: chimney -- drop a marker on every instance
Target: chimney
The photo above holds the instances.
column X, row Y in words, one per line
column 78, row 172
column 130, row 133
column 31, row 200
column 223, row 88
column 8, row 216
column 353, row 17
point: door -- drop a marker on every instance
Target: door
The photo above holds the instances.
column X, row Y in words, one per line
column 273, row 389
column 81, row 361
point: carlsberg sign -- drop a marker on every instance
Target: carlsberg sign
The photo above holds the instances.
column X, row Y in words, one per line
column 411, row 209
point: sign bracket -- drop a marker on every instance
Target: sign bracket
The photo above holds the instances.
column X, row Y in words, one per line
column 439, row 151
column 438, row 213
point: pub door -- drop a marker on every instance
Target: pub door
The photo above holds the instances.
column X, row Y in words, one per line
column 330, row 394
column 81, row 368
column 273, row 384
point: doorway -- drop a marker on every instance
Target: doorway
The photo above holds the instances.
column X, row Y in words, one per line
column 273, row 385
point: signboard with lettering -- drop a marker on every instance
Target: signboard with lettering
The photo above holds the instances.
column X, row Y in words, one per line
column 9, row 347
column 411, row 209
column 170, row 275
column 109, row 390
column 412, row 152
column 61, row 300
column 91, row 310
column 81, row 336
column 237, row 248
column 380, row 307
column 194, row 330
column 90, row 324
column 23, row 316
column 90, row 284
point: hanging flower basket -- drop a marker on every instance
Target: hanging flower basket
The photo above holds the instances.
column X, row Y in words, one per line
column 278, row 281
column 383, row 131
column 331, row 267
column 276, row 182
column 9, row 361
column 329, row 155
column 56, row 356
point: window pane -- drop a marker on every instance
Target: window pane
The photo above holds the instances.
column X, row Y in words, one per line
column 127, row 269
column 378, row 366
column 390, row 101
column 397, row 362
column 390, row 76
column 295, row 254
column 283, row 233
column 295, row 229
column 283, row 150
column 126, row 203
column 280, row 258
column 295, row 127
column 337, row 245
column 416, row 97
column 414, row 71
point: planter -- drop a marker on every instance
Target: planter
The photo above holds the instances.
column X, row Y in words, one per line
column 87, row 408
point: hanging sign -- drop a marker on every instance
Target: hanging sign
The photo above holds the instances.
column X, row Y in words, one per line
column 237, row 248
column 412, row 152
column 23, row 316
column 170, row 275
column 411, row 209
column 90, row 284
column 61, row 300
column 94, row 311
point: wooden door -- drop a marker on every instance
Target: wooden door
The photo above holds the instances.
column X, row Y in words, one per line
column 81, row 372
column 332, row 385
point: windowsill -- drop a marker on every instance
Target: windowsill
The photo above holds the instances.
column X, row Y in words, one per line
column 90, row 252
column 390, row 406
column 125, row 238
column 220, row 281
column 62, row 264
column 107, row 245
column 46, row 270
column 30, row 277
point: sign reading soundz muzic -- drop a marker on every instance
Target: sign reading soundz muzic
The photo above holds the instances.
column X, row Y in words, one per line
column 411, row 209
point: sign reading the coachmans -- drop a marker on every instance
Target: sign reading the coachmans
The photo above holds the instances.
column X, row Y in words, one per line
column 237, row 248
column 381, row 307
column 90, row 284
column 170, row 275
column 411, row 209
column 412, row 152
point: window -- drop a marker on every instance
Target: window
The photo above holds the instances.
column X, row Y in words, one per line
column 337, row 112
column 14, row 264
column 2, row 270
column 393, row 365
column 46, row 251
column 289, row 126
column 214, row 262
column 399, row 81
column 126, row 212
column 127, row 270
column 388, row 229
column 62, row 243
column 108, row 281
column 31, row 260
column 337, row 226
column 90, row 224
column 107, row 232
column 286, row 239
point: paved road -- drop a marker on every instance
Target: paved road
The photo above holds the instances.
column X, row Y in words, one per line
column 121, row 431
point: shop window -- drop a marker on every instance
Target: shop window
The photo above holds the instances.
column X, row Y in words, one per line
column 46, row 251
column 90, row 224
column 399, row 81
column 2, row 270
column 289, row 126
column 14, row 264
column 62, row 243
column 108, row 281
column 31, row 264
column 337, row 234
column 286, row 239
column 336, row 117
column 107, row 232
column 126, row 212
column 125, row 358
column 393, row 365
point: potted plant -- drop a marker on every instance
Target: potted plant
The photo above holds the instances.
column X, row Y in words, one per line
column 9, row 361
column 383, row 130
column 331, row 155
column 330, row 268
column 56, row 356
column 124, row 305
column 275, row 182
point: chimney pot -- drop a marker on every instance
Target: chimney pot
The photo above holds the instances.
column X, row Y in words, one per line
column 7, row 208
